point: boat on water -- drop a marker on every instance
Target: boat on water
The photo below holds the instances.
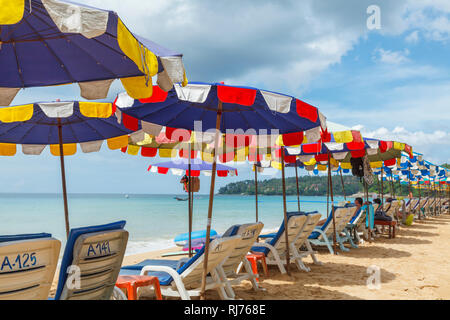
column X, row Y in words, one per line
column 180, row 199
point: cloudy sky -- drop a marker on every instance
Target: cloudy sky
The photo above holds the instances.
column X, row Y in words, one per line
column 390, row 83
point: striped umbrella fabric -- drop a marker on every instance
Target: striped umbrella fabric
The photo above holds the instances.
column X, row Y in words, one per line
column 56, row 42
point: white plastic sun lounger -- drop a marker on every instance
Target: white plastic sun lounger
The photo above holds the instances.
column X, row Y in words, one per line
column 91, row 262
column 323, row 235
column 27, row 266
column 302, row 240
column 275, row 248
column 183, row 278
column 229, row 270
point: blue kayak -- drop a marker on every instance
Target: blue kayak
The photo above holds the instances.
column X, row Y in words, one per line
column 183, row 238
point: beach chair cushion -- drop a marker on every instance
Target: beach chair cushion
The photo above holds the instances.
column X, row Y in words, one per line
column 75, row 244
column 164, row 278
column 292, row 213
column 277, row 235
column 27, row 265
column 20, row 237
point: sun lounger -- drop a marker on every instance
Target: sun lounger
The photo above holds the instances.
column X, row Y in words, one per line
column 420, row 209
column 323, row 235
column 230, row 267
column 27, row 266
column 183, row 278
column 94, row 256
column 299, row 228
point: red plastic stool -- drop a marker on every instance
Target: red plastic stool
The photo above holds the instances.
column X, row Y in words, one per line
column 131, row 283
column 253, row 259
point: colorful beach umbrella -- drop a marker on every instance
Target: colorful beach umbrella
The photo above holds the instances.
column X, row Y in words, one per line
column 61, row 126
column 55, row 42
column 212, row 109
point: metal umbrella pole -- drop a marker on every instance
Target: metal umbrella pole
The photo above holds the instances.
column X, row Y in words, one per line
column 63, row 177
column 211, row 200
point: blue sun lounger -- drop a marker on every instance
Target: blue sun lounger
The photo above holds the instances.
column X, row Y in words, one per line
column 91, row 262
column 27, row 266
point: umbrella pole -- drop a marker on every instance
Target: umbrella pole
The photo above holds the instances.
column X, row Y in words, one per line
column 190, row 201
column 382, row 190
column 63, row 177
column 332, row 202
column 256, row 190
column 211, row 199
column 420, row 196
column 342, row 182
column 298, row 189
column 328, row 196
column 379, row 190
column 285, row 211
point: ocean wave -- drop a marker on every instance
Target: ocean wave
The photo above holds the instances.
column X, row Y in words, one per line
column 142, row 246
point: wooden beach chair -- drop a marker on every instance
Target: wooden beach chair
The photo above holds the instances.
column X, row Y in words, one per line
column 27, row 266
column 183, row 278
column 274, row 248
column 323, row 235
column 94, row 256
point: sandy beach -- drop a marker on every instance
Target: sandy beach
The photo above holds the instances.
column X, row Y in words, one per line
column 414, row 265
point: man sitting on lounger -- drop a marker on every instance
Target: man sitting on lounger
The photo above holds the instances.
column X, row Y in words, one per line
column 358, row 203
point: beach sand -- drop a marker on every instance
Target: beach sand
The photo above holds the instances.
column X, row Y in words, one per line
column 414, row 265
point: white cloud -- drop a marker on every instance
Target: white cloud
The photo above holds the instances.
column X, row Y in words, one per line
column 426, row 142
column 392, row 57
column 413, row 37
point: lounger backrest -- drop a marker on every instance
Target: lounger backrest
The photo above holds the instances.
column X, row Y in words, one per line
column 27, row 266
column 219, row 250
column 341, row 217
column 412, row 204
column 423, row 203
column 249, row 234
column 93, row 255
column 308, row 228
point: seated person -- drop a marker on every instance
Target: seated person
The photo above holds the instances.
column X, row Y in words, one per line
column 379, row 213
column 377, row 201
column 358, row 203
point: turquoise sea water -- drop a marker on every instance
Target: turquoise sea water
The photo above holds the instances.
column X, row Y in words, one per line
column 152, row 220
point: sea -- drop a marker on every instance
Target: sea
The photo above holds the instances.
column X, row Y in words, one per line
column 152, row 221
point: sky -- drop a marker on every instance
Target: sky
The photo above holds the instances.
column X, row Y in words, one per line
column 390, row 83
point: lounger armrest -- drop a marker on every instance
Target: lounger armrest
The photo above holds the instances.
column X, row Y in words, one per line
column 266, row 245
column 173, row 273
column 266, row 236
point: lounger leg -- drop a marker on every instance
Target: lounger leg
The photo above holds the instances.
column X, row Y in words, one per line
column 350, row 239
column 222, row 294
column 312, row 253
column 248, row 269
column 224, row 279
column 341, row 244
column 327, row 242
column 298, row 258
